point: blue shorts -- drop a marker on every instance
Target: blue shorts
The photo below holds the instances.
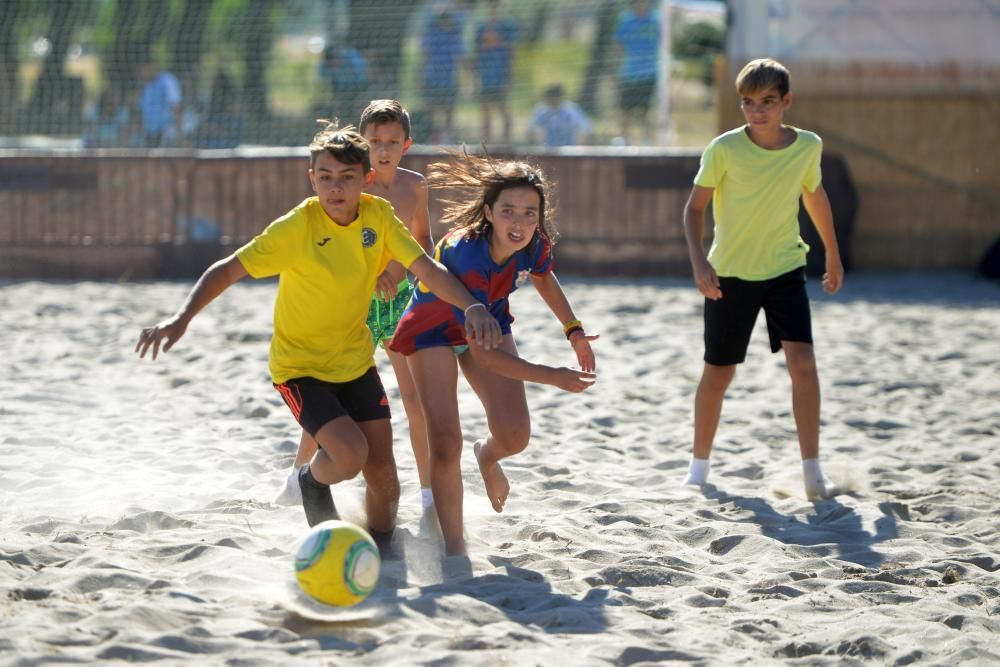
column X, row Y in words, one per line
column 729, row 321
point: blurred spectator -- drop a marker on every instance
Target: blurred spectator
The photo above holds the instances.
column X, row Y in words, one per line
column 222, row 126
column 638, row 35
column 345, row 70
column 558, row 122
column 159, row 102
column 442, row 51
column 108, row 122
column 494, row 52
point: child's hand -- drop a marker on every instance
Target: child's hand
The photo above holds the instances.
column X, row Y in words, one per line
column 570, row 379
column 584, row 355
column 833, row 279
column 707, row 280
column 170, row 330
column 481, row 327
column 385, row 287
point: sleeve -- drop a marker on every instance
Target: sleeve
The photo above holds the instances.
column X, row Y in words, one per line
column 712, row 169
column 274, row 250
column 399, row 242
column 814, row 175
column 541, row 260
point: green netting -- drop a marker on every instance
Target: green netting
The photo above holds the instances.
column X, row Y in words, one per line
column 235, row 72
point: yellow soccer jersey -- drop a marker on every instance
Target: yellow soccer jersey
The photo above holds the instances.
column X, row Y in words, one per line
column 327, row 274
column 756, row 202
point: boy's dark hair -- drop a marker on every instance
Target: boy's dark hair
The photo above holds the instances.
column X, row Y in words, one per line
column 385, row 111
column 761, row 74
column 343, row 144
column 481, row 179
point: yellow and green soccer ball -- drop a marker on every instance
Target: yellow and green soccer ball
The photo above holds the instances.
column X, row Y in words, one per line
column 337, row 563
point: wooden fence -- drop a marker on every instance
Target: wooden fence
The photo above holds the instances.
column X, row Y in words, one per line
column 117, row 215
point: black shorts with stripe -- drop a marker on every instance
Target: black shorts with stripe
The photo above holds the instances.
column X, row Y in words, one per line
column 315, row 403
column 729, row 321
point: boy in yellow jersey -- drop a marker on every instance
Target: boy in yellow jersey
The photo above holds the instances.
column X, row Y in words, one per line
column 385, row 124
column 754, row 176
column 329, row 252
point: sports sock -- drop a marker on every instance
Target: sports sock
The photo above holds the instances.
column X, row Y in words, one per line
column 316, row 499
column 426, row 497
column 817, row 484
column 698, row 471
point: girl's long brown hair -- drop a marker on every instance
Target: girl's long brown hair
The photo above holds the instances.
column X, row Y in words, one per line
column 479, row 180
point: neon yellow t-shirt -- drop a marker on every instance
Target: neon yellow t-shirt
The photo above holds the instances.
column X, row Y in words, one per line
column 327, row 279
column 756, row 202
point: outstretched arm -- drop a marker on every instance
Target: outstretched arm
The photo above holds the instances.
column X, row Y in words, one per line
column 480, row 325
column 552, row 294
column 818, row 207
column 509, row 365
column 212, row 283
column 694, row 232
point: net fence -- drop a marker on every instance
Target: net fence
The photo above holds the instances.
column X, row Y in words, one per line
column 223, row 73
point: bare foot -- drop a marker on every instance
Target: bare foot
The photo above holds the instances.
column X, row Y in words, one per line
column 497, row 486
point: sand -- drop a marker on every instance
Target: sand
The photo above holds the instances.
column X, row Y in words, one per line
column 137, row 522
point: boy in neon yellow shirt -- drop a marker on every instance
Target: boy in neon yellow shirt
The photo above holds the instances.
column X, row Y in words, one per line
column 754, row 176
column 329, row 252
column 385, row 125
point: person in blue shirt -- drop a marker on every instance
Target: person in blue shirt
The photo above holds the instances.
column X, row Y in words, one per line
column 557, row 121
column 442, row 52
column 638, row 35
column 494, row 45
column 159, row 105
column 345, row 70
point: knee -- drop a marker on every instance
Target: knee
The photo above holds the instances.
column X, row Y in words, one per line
column 717, row 378
column 513, row 437
column 801, row 364
column 445, row 445
column 350, row 456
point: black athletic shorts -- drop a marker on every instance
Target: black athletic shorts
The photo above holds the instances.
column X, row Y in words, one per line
column 315, row 403
column 729, row 321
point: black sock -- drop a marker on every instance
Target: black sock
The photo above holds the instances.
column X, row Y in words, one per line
column 316, row 499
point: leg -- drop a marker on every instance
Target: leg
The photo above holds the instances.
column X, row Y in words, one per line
column 414, row 416
column 806, row 408
column 341, row 453
column 307, row 448
column 290, row 493
column 379, row 470
column 805, row 395
column 435, row 375
column 486, row 108
column 708, row 406
column 507, row 417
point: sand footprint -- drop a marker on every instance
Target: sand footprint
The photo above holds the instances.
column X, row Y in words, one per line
column 497, row 486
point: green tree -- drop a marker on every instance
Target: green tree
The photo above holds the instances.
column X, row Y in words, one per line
column 700, row 42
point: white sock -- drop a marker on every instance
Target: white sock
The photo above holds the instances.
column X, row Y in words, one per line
column 817, row 484
column 698, row 471
column 426, row 497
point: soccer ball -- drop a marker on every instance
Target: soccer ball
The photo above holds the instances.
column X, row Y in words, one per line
column 337, row 563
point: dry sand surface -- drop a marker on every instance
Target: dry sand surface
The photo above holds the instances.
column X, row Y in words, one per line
column 137, row 524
